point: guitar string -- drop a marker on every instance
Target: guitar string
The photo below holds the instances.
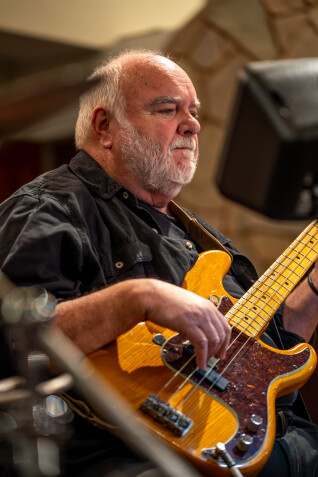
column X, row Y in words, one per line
column 221, row 374
column 292, row 271
column 228, row 364
column 268, row 286
column 239, row 334
column 282, row 265
column 195, row 369
column 274, row 280
column 291, row 259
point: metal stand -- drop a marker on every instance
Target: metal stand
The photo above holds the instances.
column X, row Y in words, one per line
column 26, row 315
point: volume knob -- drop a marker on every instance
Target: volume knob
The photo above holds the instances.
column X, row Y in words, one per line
column 255, row 422
column 244, row 442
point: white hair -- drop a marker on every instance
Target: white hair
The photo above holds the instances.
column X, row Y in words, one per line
column 107, row 93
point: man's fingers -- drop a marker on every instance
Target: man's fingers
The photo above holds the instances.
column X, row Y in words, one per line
column 200, row 344
column 210, row 337
column 218, row 333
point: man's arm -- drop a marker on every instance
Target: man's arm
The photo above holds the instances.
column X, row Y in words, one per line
column 301, row 308
column 97, row 319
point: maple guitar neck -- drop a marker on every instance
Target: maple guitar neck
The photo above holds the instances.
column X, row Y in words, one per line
column 253, row 312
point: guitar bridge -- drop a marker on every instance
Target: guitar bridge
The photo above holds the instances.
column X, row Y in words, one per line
column 166, row 414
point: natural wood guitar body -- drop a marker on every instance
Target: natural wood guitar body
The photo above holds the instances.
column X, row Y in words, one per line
column 138, row 367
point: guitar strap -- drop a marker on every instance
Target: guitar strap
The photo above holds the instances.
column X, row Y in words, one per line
column 197, row 232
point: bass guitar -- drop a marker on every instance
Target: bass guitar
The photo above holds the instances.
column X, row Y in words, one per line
column 224, row 416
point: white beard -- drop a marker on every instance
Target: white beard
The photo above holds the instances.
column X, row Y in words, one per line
column 153, row 169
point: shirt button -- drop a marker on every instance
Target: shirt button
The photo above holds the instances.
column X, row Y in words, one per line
column 125, row 195
column 189, row 245
column 119, row 265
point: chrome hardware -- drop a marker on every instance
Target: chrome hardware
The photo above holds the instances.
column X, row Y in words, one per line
column 244, row 442
column 166, row 414
column 255, row 422
column 159, row 339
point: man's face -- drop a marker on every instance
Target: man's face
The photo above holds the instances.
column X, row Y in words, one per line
column 158, row 137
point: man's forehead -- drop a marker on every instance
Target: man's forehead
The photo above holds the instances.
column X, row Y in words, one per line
column 156, row 81
column 149, row 95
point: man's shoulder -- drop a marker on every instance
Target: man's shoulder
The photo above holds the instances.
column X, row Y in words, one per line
column 48, row 182
column 63, row 181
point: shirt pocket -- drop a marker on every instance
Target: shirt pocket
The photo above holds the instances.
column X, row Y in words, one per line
column 127, row 258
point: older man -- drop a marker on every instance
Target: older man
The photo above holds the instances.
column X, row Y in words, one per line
column 102, row 236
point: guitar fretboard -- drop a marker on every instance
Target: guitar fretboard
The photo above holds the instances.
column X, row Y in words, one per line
column 257, row 306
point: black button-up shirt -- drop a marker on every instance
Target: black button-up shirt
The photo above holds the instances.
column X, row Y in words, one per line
column 74, row 230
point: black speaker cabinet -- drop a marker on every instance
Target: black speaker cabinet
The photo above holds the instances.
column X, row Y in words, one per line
column 269, row 161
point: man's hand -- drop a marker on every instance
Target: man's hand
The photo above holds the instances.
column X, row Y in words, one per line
column 97, row 319
column 196, row 318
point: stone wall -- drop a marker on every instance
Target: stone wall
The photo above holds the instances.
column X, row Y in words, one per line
column 212, row 48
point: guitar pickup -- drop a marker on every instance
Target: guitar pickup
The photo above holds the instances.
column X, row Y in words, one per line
column 166, row 414
column 210, row 375
column 213, row 378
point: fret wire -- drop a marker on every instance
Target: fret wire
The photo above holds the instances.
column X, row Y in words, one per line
column 272, row 289
column 275, row 291
column 264, row 293
column 252, row 319
column 297, row 252
column 304, row 257
column 264, row 301
column 268, row 297
column 290, row 270
column 280, row 287
column 271, row 278
column 270, row 306
column 255, row 312
column 211, row 387
column 247, row 325
column 286, row 267
column 258, row 314
column 259, row 299
column 310, row 247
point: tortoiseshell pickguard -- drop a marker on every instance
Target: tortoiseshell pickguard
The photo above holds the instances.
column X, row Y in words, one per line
column 254, row 367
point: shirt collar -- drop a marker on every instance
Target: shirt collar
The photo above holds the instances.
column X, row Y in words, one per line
column 89, row 171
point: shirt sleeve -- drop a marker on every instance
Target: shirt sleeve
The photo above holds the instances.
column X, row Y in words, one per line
column 41, row 246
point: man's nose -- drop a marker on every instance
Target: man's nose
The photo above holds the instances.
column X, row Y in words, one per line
column 189, row 126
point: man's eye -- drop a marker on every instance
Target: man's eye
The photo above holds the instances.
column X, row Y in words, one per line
column 195, row 115
column 167, row 111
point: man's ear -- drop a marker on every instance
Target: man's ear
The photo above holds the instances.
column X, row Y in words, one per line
column 101, row 125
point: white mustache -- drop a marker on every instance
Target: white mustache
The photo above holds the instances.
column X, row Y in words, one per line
column 187, row 142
